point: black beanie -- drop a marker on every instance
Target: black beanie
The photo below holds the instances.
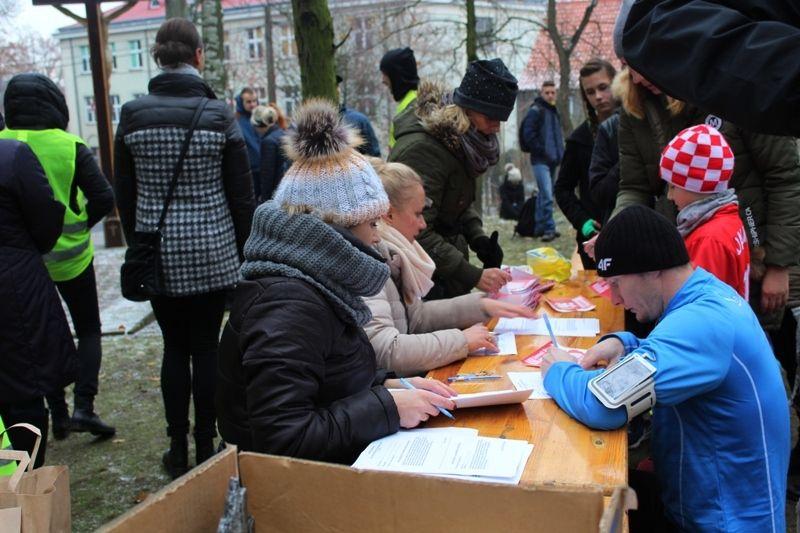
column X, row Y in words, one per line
column 638, row 240
column 489, row 88
column 400, row 67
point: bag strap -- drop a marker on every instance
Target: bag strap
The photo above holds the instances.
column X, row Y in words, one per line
column 184, row 149
column 25, row 461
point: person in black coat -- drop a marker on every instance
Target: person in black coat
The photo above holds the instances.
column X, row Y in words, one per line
column 512, row 193
column 297, row 373
column 271, row 124
column 595, row 78
column 736, row 59
column 604, row 169
column 37, row 355
column 34, row 103
column 206, row 225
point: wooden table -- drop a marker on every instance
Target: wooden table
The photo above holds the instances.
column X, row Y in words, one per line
column 565, row 451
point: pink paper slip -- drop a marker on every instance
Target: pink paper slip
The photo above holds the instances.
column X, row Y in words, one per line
column 601, row 288
column 535, row 359
column 569, row 305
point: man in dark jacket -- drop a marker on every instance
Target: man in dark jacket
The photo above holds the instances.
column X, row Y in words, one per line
column 595, row 79
column 245, row 103
column 38, row 356
column 37, row 114
column 399, row 74
column 604, row 168
column 738, row 60
column 361, row 123
column 541, row 133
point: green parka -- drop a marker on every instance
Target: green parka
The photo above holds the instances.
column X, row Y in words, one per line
column 766, row 177
column 434, row 152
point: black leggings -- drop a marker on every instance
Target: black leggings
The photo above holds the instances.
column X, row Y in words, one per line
column 80, row 295
column 190, row 328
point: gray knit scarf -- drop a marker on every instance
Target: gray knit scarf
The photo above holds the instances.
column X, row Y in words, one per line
column 698, row 212
column 480, row 151
column 304, row 247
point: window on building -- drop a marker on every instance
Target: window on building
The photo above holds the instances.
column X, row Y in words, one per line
column 116, row 107
column 484, row 27
column 362, row 33
column 291, row 98
column 91, row 118
column 226, row 46
column 86, row 65
column 135, row 48
column 154, row 4
column 261, row 93
column 255, row 43
column 113, row 47
column 286, row 44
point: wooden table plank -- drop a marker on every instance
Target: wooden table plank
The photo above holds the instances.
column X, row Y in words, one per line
column 565, row 451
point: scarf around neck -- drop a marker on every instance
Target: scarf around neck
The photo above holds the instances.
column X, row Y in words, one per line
column 416, row 266
column 181, row 68
column 698, row 212
column 304, row 247
column 480, row 151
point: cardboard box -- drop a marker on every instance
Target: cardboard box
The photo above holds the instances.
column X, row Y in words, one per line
column 293, row 495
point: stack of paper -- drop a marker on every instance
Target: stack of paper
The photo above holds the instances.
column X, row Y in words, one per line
column 562, row 327
column 448, row 452
column 506, row 345
column 529, row 381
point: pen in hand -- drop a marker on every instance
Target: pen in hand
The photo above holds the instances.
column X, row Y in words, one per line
column 550, row 330
column 442, row 410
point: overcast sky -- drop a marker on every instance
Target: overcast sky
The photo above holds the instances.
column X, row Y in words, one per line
column 45, row 19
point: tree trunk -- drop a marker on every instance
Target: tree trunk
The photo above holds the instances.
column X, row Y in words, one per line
column 176, row 8
column 211, row 28
column 562, row 101
column 472, row 33
column 313, row 31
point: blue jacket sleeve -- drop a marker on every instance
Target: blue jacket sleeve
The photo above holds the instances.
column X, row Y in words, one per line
column 568, row 384
column 371, row 145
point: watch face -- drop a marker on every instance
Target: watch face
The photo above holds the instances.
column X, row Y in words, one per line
column 623, row 378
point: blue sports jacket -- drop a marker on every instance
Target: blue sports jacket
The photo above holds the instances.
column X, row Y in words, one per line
column 721, row 422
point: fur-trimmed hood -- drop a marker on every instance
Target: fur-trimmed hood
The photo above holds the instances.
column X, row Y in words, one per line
column 429, row 116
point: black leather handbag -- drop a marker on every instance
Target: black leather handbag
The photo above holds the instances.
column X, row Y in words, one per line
column 141, row 276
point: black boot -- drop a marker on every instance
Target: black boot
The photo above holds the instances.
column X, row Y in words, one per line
column 176, row 459
column 84, row 420
column 203, row 448
column 61, row 421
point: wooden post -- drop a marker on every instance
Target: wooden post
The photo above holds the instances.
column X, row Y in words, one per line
column 271, row 94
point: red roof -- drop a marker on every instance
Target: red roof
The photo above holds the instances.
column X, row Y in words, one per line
column 596, row 41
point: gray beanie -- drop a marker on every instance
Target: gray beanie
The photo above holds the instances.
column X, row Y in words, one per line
column 619, row 26
column 328, row 177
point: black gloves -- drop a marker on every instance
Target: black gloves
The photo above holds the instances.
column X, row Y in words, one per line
column 488, row 251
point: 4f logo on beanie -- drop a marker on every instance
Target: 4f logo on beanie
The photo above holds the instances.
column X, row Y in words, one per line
column 714, row 121
column 604, row 264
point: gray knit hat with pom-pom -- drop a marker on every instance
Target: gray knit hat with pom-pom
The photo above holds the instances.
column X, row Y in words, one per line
column 328, row 177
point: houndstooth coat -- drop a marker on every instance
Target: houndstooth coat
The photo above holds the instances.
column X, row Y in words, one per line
column 209, row 217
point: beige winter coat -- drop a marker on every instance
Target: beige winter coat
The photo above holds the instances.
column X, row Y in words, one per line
column 410, row 339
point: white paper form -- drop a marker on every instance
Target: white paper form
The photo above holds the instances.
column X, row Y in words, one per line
column 562, row 327
column 528, row 449
column 529, row 380
column 443, row 451
column 506, row 345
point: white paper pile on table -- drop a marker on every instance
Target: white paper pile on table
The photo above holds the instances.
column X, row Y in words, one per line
column 448, row 452
column 506, row 345
column 562, row 327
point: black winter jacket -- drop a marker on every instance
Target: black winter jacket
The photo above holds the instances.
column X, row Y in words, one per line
column 34, row 102
column 209, row 218
column 604, row 169
column 736, row 58
column 273, row 161
column 574, row 174
column 37, row 355
column 296, row 380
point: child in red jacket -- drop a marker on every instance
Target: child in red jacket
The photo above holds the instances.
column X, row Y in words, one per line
column 697, row 165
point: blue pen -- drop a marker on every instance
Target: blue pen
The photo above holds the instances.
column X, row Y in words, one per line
column 442, row 410
column 550, row 330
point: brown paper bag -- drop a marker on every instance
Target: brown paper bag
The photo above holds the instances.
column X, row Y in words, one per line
column 41, row 495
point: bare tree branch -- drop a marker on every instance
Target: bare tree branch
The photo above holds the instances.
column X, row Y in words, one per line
column 343, row 40
column 576, row 37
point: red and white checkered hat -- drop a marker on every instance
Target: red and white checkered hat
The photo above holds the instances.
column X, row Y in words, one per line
column 698, row 159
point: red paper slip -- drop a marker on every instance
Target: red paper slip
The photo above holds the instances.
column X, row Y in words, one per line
column 569, row 305
column 601, row 288
column 535, row 359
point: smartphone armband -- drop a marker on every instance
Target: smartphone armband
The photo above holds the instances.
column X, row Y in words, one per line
column 628, row 383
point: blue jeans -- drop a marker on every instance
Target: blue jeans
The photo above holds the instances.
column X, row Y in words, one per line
column 544, row 175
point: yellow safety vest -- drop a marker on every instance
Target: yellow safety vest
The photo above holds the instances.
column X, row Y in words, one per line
column 7, row 467
column 55, row 149
column 401, row 106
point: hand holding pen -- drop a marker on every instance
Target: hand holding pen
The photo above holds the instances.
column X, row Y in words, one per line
column 422, row 399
